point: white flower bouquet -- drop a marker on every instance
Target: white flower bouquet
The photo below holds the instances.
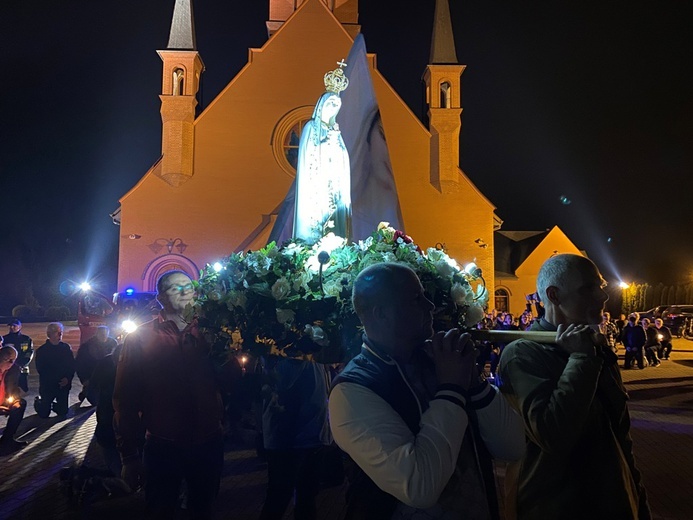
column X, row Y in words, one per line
column 295, row 300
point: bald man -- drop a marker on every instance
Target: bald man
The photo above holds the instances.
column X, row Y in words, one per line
column 419, row 425
column 579, row 459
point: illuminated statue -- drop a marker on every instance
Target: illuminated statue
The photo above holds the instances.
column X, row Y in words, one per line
column 323, row 179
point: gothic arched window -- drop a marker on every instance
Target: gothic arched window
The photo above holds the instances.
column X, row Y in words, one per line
column 502, row 300
column 178, row 82
column 445, row 95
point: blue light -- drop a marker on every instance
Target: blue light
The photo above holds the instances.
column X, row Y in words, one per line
column 129, row 291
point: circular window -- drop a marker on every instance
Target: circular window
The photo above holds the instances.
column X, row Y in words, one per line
column 287, row 136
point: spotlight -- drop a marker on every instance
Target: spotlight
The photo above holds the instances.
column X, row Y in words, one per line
column 85, row 286
column 217, row 266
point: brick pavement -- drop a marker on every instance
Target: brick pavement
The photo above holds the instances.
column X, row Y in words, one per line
column 660, row 406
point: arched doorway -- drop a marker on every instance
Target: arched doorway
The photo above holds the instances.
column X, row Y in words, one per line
column 169, row 262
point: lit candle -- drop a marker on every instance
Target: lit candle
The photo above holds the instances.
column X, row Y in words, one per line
column 243, row 361
column 660, row 337
column 10, row 400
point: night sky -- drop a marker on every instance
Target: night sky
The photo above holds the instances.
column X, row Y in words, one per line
column 589, row 101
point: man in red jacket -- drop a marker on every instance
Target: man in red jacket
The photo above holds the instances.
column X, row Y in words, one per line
column 166, row 387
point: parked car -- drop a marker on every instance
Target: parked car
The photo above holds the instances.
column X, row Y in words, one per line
column 674, row 316
column 654, row 312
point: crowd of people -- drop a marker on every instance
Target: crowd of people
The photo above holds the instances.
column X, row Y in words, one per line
column 419, row 415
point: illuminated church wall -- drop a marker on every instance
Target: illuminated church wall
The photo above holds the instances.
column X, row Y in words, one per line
column 237, row 183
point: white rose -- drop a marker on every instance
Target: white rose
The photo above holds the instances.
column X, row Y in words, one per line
column 281, row 289
column 285, row 316
column 444, row 269
column 474, row 314
column 332, row 288
column 317, row 335
column 461, row 293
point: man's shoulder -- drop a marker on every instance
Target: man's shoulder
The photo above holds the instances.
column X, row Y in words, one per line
column 523, row 350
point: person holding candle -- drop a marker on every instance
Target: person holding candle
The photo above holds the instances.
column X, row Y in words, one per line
column 11, row 404
column 664, row 340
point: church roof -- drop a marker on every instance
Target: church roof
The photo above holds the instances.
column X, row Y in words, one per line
column 182, row 36
column 442, row 41
column 511, row 248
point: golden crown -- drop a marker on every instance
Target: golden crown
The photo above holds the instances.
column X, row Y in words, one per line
column 335, row 80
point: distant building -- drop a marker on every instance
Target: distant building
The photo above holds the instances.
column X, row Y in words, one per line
column 518, row 257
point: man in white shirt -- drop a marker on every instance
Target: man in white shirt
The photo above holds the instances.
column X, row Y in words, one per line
column 419, row 425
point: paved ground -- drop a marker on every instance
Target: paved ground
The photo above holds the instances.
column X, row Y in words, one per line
column 661, row 409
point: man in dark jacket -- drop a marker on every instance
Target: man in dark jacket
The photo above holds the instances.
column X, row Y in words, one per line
column 25, row 350
column 579, row 460
column 11, row 404
column 634, row 338
column 295, row 429
column 88, row 356
column 56, row 367
column 166, row 385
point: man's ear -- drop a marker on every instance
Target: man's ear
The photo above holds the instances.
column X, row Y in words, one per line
column 378, row 312
column 552, row 293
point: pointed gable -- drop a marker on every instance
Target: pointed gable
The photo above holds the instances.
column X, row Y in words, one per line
column 555, row 242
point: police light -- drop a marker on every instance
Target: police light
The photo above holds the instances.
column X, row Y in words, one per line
column 129, row 291
column 129, row 326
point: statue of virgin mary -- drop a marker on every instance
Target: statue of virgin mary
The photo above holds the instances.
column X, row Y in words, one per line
column 323, row 178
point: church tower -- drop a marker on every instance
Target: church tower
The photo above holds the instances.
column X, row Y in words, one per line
column 443, row 96
column 180, row 82
column 346, row 11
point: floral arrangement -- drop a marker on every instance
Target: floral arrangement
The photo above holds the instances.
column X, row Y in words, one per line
column 295, row 300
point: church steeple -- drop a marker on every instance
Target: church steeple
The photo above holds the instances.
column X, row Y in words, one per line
column 442, row 40
column 180, row 82
column 182, row 35
column 443, row 96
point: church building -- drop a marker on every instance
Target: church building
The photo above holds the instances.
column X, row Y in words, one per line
column 223, row 174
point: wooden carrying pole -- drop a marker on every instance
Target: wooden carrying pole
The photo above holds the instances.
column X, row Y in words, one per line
column 506, row 336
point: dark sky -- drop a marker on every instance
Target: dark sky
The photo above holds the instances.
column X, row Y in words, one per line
column 587, row 100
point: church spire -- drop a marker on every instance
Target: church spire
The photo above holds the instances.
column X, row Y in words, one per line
column 180, row 82
column 442, row 41
column 444, row 99
column 182, row 36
